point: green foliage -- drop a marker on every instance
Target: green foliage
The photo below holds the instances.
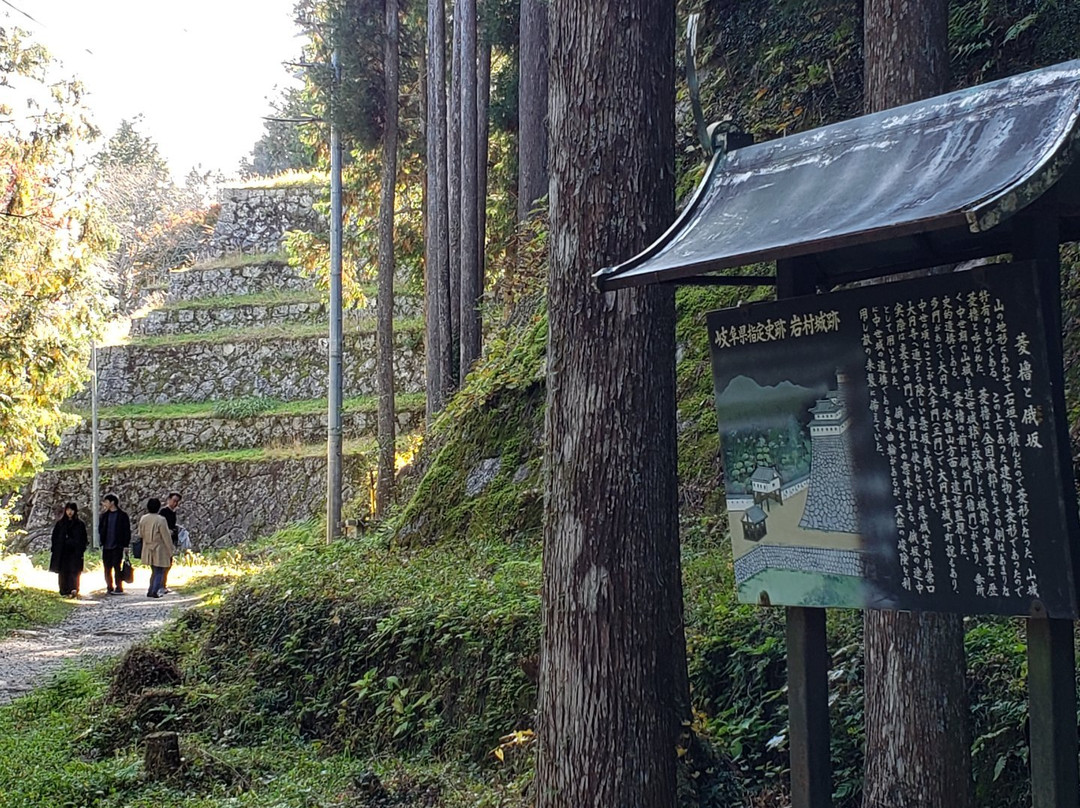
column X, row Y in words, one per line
column 244, row 407
column 991, row 39
column 281, row 147
column 51, row 298
column 25, row 607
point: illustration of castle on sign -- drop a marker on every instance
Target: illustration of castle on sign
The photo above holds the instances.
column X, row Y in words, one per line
column 789, row 485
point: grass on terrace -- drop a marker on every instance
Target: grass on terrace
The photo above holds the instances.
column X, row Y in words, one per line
column 212, row 409
column 287, row 179
column 269, row 298
column 237, row 260
column 222, row 456
column 278, row 331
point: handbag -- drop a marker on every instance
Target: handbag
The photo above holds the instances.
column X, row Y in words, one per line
column 136, row 548
column 127, row 572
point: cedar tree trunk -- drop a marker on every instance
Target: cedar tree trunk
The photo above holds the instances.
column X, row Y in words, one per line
column 436, row 289
column 483, row 135
column 917, row 730
column 613, row 640
column 453, row 159
column 384, row 330
column 532, row 105
column 470, row 265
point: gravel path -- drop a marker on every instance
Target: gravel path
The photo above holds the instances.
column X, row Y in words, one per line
column 100, row 626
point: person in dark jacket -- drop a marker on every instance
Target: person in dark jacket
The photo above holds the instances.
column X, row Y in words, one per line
column 114, row 532
column 68, row 546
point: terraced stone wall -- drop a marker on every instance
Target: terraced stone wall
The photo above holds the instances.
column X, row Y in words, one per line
column 164, row 436
column 286, row 368
column 225, row 502
column 254, row 220
column 224, row 281
column 194, row 320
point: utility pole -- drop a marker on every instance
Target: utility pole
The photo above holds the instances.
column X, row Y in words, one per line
column 95, row 472
column 333, row 451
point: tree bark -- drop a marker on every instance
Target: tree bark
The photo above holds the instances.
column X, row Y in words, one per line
column 483, row 124
column 453, row 159
column 384, row 305
column 436, row 290
column 161, row 758
column 470, row 291
column 612, row 591
column 532, row 105
column 918, row 736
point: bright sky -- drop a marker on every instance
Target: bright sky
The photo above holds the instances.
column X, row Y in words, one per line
column 201, row 72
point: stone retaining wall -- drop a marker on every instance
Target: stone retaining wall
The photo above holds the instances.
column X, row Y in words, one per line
column 271, row 276
column 254, row 220
column 200, row 321
column 254, row 315
column 283, row 368
column 225, row 503
column 127, row 436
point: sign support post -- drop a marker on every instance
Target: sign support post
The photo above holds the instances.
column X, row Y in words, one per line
column 1055, row 777
column 807, row 649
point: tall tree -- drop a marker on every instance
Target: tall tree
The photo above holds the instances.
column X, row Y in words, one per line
column 281, row 147
column 52, row 300
column 917, row 728
column 470, row 265
column 437, row 268
column 483, row 137
column 453, row 158
column 384, row 329
column 532, row 105
column 613, row 637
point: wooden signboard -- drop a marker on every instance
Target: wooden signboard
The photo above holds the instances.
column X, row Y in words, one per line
column 895, row 447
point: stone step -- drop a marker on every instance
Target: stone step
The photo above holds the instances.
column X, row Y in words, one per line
column 205, row 429
column 254, row 311
column 287, row 365
column 228, row 498
column 237, row 275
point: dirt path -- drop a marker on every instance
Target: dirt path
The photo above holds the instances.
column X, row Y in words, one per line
column 101, row 625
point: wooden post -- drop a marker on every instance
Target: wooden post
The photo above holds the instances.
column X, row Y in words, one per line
column 1055, row 775
column 809, row 736
column 1052, row 713
column 162, row 755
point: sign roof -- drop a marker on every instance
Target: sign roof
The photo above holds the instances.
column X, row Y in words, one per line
column 922, row 184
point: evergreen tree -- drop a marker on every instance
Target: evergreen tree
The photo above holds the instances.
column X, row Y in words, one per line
column 612, row 673
column 918, row 740
column 52, row 301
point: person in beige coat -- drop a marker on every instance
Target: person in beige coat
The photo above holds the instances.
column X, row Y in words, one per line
column 157, row 549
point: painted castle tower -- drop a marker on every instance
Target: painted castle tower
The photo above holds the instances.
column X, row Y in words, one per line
column 830, row 498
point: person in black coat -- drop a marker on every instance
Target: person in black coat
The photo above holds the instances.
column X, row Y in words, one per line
column 114, row 532
column 68, row 546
